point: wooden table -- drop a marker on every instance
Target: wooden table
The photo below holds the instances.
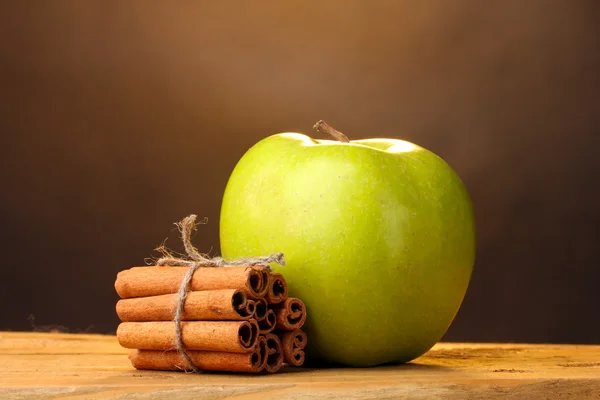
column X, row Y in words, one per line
column 73, row 366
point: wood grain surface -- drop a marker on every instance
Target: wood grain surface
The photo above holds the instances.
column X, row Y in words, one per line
column 80, row 366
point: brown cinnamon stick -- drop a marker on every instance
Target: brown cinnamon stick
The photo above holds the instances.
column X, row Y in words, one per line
column 291, row 314
column 260, row 309
column 262, row 345
column 274, row 353
column 206, row 305
column 293, row 344
column 268, row 323
column 278, row 290
column 221, row 336
column 153, row 281
column 204, row 360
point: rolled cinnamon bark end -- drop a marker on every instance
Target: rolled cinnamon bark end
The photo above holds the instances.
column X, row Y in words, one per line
column 274, row 353
column 204, row 360
column 206, row 305
column 260, row 309
column 268, row 323
column 218, row 336
column 278, row 290
column 291, row 314
column 250, row 308
column 293, row 344
column 153, row 281
column 261, row 346
column 259, row 282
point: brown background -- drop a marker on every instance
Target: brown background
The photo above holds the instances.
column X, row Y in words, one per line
column 119, row 118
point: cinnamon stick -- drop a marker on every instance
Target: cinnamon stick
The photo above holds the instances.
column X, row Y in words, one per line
column 274, row 353
column 277, row 290
column 268, row 323
column 260, row 309
column 252, row 362
column 153, row 281
column 262, row 345
column 206, row 305
column 291, row 314
column 293, row 344
column 221, row 336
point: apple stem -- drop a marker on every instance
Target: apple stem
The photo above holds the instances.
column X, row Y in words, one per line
column 324, row 127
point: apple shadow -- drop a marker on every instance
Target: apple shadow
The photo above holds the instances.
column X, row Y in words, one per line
column 314, row 365
column 414, row 366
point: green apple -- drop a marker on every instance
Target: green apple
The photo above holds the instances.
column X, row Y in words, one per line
column 378, row 237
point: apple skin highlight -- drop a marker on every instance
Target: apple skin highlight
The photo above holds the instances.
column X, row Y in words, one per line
column 378, row 237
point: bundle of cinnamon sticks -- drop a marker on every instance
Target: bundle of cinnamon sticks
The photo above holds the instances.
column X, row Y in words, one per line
column 237, row 319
